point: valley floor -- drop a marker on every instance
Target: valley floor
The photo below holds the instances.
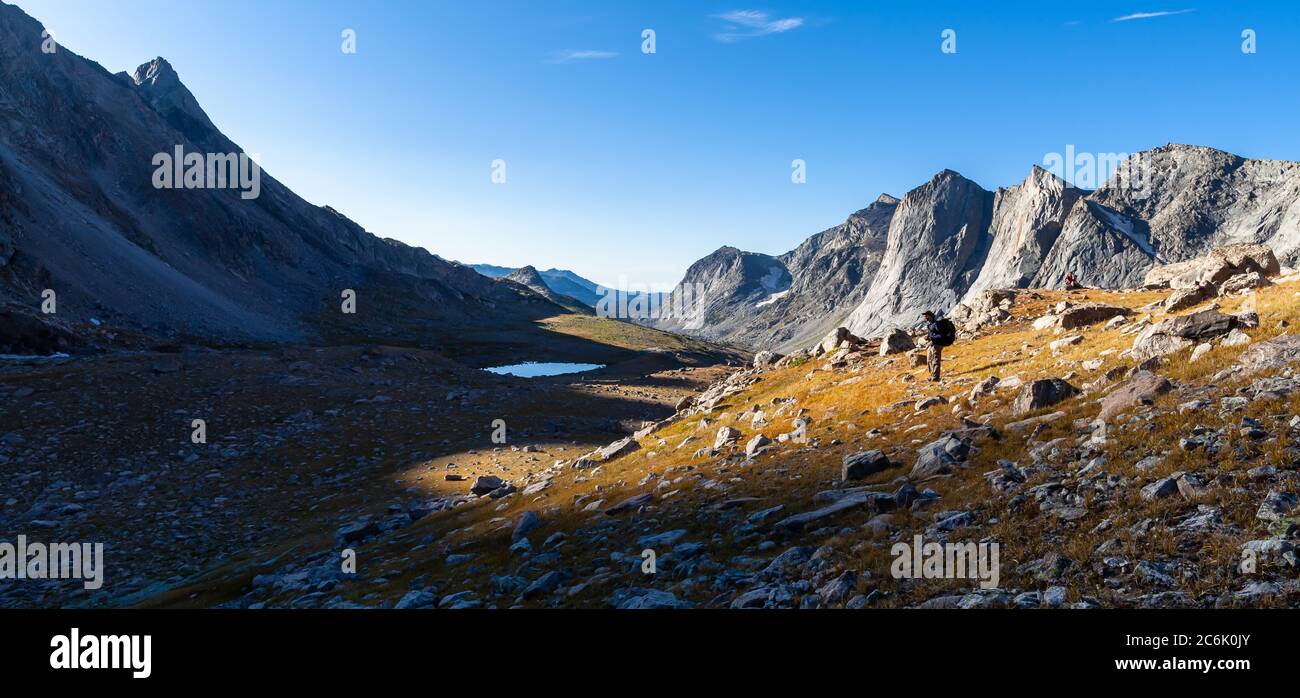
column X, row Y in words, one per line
column 318, row 456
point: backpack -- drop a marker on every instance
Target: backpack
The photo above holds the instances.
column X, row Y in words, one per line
column 947, row 333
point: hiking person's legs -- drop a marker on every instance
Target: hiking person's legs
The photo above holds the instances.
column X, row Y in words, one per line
column 934, row 358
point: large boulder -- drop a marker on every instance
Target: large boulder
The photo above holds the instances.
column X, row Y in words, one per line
column 1184, row 298
column 725, row 436
column 619, row 448
column 835, row 339
column 1143, row 388
column 485, row 484
column 896, row 342
column 1244, row 258
column 1042, row 393
column 1206, row 324
column 1150, row 345
column 860, row 465
column 764, row 359
column 1090, row 314
column 1214, row 268
column 1243, row 282
column 1271, row 354
column 940, row 457
column 988, row 307
column 1176, row 333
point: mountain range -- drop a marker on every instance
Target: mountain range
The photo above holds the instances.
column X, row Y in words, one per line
column 561, row 281
column 86, row 217
column 950, row 239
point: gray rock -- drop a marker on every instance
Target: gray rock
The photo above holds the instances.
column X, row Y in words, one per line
column 1090, row 314
column 725, row 436
column 651, row 599
column 417, row 599
column 1271, row 354
column 838, row 589
column 619, row 448
column 485, row 484
column 1184, row 298
column 529, row 522
column 630, row 504
column 1164, row 487
column 660, row 540
column 1142, row 389
column 1042, row 393
column 860, row 465
column 896, row 342
column 939, row 457
column 546, row 584
column 357, row 531
column 857, row 500
column 1276, row 506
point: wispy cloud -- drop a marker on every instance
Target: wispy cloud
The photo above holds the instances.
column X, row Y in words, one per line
column 574, row 55
column 1150, row 15
column 747, row 24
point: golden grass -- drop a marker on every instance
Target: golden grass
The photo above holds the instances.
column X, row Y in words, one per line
column 844, row 406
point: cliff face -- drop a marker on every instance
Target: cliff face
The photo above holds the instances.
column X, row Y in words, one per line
column 1027, row 221
column 938, row 241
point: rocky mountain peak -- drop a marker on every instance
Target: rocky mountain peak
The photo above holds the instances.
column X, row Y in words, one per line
column 527, row 276
column 1027, row 220
column 158, row 73
column 161, row 87
column 938, row 241
column 1043, row 178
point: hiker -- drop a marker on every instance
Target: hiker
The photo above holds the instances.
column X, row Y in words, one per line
column 1071, row 283
column 942, row 333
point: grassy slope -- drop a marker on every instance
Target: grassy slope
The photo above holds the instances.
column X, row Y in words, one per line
column 625, row 335
column 844, row 407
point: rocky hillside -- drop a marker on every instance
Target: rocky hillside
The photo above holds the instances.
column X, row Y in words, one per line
column 788, row 301
column 950, row 240
column 83, row 215
column 1119, row 454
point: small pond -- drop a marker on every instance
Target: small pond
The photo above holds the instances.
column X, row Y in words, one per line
column 537, row 370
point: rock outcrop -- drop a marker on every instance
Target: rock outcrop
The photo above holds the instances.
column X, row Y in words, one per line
column 1220, row 265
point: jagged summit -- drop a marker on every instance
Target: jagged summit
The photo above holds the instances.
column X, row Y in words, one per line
column 154, row 72
column 162, row 88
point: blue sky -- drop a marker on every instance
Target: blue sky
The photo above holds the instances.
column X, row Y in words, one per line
column 625, row 164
